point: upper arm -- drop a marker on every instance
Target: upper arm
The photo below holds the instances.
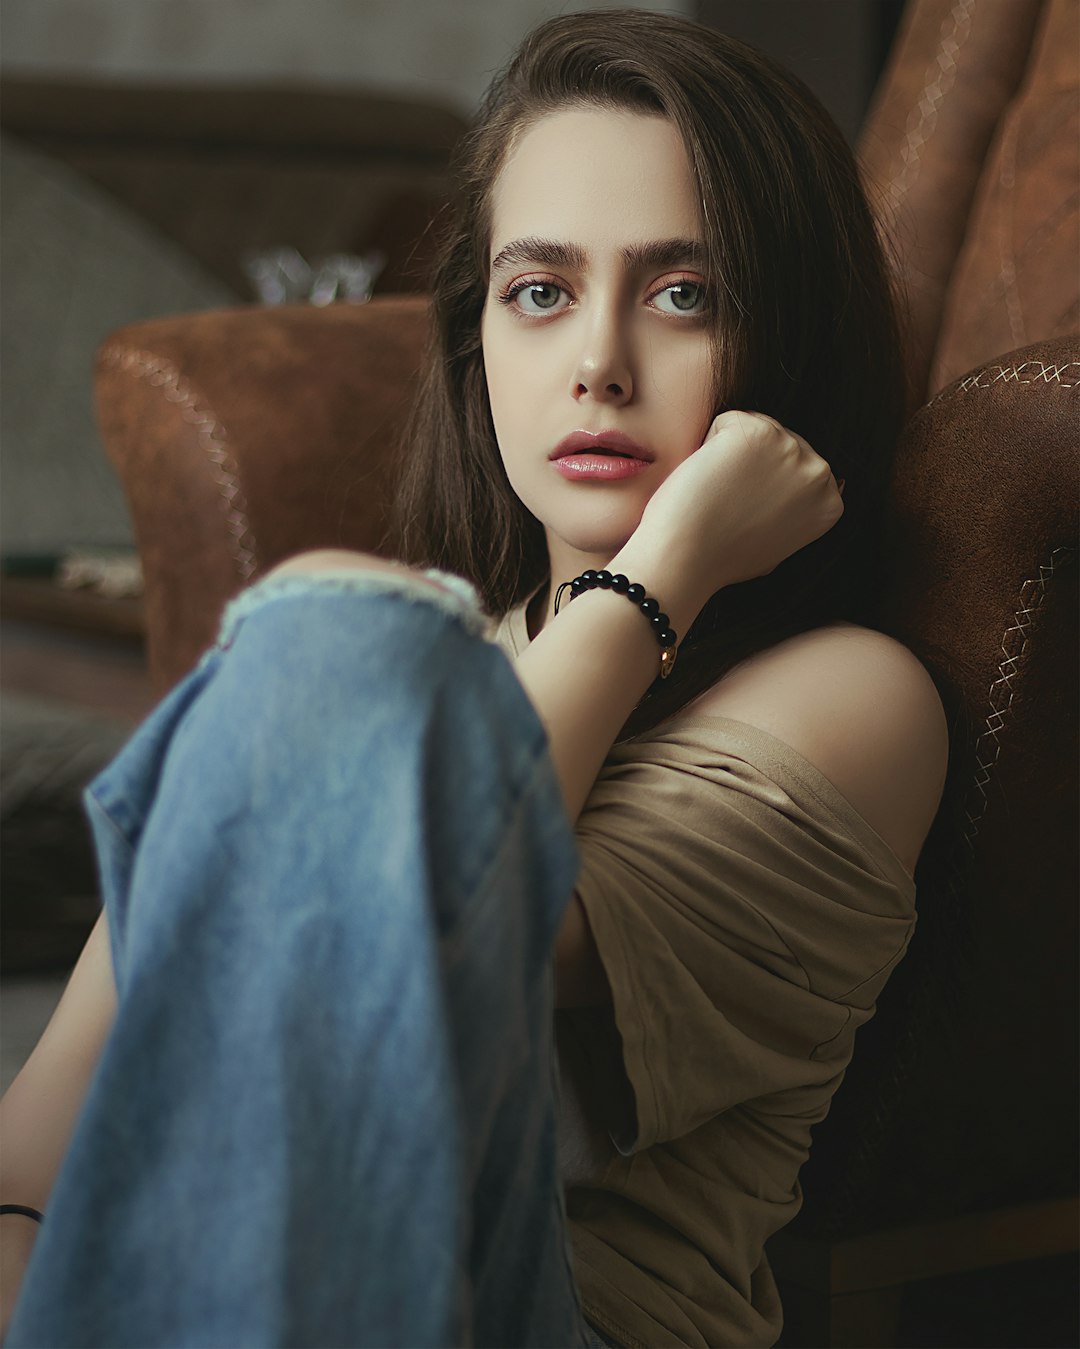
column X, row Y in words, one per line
column 854, row 703
column 863, row 710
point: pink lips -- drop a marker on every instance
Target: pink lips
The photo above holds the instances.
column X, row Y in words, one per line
column 605, row 456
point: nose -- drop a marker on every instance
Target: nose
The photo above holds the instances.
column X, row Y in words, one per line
column 602, row 372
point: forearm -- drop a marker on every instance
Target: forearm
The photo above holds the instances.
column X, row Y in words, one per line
column 39, row 1109
column 588, row 669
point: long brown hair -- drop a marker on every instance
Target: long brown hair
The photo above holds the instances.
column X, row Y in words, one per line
column 803, row 322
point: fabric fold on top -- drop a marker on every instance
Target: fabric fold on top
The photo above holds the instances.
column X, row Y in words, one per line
column 731, row 888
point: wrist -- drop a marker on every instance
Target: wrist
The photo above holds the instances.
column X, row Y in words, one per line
column 22, row 1211
column 656, row 622
column 676, row 591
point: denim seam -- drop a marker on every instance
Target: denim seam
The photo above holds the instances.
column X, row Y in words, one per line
column 107, row 813
column 484, row 886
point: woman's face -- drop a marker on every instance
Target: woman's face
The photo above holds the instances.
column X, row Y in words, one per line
column 594, row 325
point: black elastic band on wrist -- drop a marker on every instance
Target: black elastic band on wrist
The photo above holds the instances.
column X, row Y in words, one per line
column 24, row 1210
column 666, row 637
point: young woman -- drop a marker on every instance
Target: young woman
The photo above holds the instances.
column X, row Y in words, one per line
column 351, row 862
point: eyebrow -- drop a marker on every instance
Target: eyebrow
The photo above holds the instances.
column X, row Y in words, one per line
column 552, row 253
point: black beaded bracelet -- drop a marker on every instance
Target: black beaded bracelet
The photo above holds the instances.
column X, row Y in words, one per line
column 24, row 1210
column 621, row 585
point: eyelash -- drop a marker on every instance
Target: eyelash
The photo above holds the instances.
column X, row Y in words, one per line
column 509, row 294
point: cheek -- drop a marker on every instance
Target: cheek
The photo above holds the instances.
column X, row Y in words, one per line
column 494, row 369
column 514, row 375
column 500, row 400
column 507, row 383
column 498, row 354
column 683, row 382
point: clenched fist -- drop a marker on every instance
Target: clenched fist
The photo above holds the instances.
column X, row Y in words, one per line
column 752, row 495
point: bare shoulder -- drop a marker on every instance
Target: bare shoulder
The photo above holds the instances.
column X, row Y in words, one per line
column 863, row 710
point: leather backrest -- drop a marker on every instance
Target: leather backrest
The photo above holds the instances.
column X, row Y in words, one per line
column 970, row 156
column 962, row 1092
column 1017, row 277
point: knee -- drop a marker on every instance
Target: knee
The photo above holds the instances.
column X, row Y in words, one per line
column 334, row 560
column 327, row 665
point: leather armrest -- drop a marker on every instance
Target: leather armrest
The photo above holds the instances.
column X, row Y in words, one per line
column 244, row 436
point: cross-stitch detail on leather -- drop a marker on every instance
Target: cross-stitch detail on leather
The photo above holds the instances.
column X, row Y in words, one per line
column 1057, row 374
column 922, row 120
column 1014, row 645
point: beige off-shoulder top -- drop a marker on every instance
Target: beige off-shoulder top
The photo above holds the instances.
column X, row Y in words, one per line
column 747, row 918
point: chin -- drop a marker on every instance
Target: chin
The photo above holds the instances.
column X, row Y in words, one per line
column 595, row 527
column 593, row 544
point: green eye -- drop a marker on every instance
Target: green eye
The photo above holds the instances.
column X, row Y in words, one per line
column 542, row 295
column 687, row 297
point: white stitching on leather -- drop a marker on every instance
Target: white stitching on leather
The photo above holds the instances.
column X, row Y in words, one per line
column 922, row 120
column 1013, row 647
column 165, row 376
column 1027, row 372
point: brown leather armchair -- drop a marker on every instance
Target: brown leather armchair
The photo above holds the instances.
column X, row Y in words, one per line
column 245, row 436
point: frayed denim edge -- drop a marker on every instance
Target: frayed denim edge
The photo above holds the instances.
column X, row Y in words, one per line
column 459, row 599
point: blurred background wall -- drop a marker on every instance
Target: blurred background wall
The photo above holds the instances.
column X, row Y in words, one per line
column 397, row 46
column 444, row 51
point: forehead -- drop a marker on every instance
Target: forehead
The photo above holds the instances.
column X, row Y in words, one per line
column 598, row 177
